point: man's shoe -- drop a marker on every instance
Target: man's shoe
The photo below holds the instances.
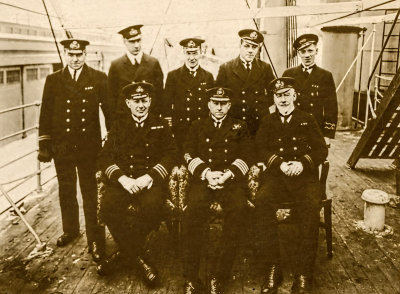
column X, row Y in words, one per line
column 148, row 272
column 273, row 280
column 96, row 251
column 108, row 265
column 302, row 284
column 216, row 286
column 192, row 287
column 65, row 239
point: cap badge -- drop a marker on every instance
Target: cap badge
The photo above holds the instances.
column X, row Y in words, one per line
column 139, row 89
column 279, row 84
column 191, row 44
column 220, row 92
column 74, row 45
column 302, row 41
column 253, row 35
column 133, row 32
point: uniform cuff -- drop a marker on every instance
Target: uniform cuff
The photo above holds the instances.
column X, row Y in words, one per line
column 307, row 162
column 113, row 172
column 273, row 162
column 239, row 167
column 158, row 172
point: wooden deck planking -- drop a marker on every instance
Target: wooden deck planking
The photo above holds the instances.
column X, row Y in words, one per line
column 361, row 263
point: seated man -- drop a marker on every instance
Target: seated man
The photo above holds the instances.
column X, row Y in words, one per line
column 136, row 158
column 290, row 146
column 216, row 150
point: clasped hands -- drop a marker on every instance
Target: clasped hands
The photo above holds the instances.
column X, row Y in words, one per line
column 134, row 186
column 292, row 168
column 217, row 179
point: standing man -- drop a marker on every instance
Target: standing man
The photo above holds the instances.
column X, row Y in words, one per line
column 216, row 151
column 134, row 66
column 185, row 91
column 136, row 159
column 315, row 86
column 290, row 146
column 69, row 132
column 248, row 77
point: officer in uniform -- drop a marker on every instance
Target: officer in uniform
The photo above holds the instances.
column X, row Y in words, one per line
column 134, row 66
column 248, row 77
column 69, row 132
column 185, row 90
column 136, row 159
column 315, row 85
column 290, row 147
column 216, row 152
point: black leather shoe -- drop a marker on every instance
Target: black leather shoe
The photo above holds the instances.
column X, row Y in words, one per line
column 302, row 284
column 148, row 272
column 273, row 280
column 216, row 286
column 193, row 287
column 96, row 251
column 108, row 265
column 65, row 239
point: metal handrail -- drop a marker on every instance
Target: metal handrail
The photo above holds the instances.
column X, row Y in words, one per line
column 38, row 171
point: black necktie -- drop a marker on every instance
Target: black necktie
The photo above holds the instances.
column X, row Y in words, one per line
column 139, row 124
column 248, row 66
column 192, row 73
column 285, row 118
column 217, row 124
column 75, row 75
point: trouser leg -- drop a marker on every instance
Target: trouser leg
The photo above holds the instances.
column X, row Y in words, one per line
column 88, row 184
column 66, row 174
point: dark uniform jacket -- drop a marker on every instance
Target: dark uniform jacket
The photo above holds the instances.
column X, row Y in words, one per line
column 122, row 73
column 227, row 147
column 185, row 99
column 134, row 151
column 69, row 116
column 250, row 102
column 317, row 95
column 298, row 140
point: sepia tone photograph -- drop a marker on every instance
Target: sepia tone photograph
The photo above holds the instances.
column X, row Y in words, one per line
column 200, row 147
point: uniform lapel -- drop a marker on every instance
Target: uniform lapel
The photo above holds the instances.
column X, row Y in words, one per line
column 84, row 77
column 225, row 126
column 239, row 70
column 129, row 67
column 185, row 76
column 68, row 83
column 142, row 67
column 254, row 74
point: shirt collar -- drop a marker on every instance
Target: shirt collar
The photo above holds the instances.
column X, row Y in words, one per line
column 71, row 71
column 308, row 68
column 134, row 58
column 245, row 62
column 193, row 68
column 217, row 120
column 287, row 115
column 140, row 120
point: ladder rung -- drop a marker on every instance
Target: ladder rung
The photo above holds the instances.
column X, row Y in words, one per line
column 387, row 73
column 389, row 61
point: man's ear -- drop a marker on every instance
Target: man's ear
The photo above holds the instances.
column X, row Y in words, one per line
column 127, row 102
column 229, row 105
column 316, row 50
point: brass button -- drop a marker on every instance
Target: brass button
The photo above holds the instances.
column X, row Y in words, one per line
column 68, row 110
column 131, row 156
column 294, row 139
column 83, row 130
column 226, row 151
column 243, row 101
column 243, row 92
column 294, row 148
column 207, row 140
column 243, row 117
column 256, row 101
column 199, row 108
column 147, row 157
column 199, row 98
column 188, row 118
column 210, row 160
column 311, row 104
column 210, row 149
column 68, row 101
column 256, row 109
column 226, row 140
column 84, row 100
column 83, row 119
column 256, row 117
column 188, row 99
column 67, row 120
column 68, row 130
column 256, row 92
column 83, row 110
column 180, row 119
column 131, row 166
column 199, row 89
column 280, row 149
column 147, row 145
column 225, row 160
column 198, row 118
column 279, row 139
column 188, row 108
column 243, row 109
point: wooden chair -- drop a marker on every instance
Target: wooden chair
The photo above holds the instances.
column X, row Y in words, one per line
column 284, row 217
